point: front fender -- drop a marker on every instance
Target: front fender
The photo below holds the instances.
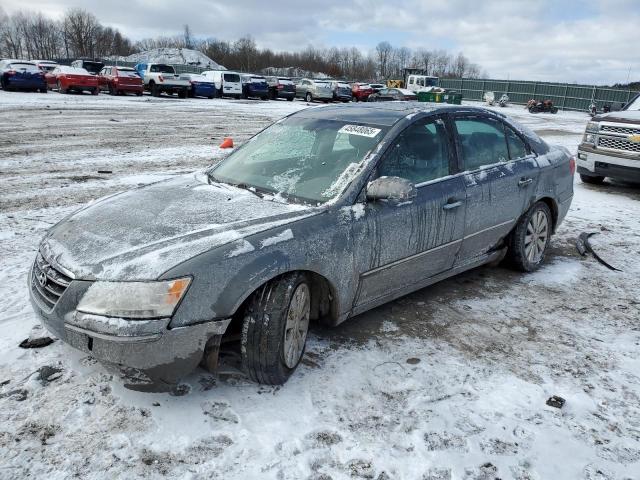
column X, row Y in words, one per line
column 225, row 277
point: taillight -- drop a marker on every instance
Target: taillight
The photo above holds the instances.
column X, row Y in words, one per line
column 160, row 78
column 11, row 72
column 280, row 87
column 572, row 165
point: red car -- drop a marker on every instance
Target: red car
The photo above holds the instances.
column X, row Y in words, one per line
column 120, row 80
column 66, row 79
column 360, row 92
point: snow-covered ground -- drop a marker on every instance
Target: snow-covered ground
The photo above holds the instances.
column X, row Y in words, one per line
column 447, row 383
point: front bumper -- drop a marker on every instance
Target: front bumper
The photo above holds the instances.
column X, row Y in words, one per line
column 595, row 163
column 147, row 354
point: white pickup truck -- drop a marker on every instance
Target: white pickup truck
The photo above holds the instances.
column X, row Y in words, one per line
column 611, row 146
column 158, row 78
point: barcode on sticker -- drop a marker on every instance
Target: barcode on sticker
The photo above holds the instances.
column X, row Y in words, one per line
column 360, row 130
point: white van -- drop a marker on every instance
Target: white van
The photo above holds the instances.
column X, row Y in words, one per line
column 228, row 84
column 421, row 83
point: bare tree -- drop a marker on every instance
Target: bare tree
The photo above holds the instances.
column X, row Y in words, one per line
column 384, row 51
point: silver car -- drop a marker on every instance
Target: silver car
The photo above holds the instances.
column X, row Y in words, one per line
column 312, row 90
column 325, row 214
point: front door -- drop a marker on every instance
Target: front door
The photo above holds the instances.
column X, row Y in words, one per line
column 501, row 176
column 400, row 245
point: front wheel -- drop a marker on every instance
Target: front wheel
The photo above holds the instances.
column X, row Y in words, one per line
column 95, row 91
column 289, row 99
column 308, row 97
column 274, row 331
column 530, row 239
column 592, row 179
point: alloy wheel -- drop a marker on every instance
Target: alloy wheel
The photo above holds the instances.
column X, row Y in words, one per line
column 535, row 240
column 297, row 326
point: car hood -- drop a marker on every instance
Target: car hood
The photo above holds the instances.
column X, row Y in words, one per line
column 142, row 233
column 628, row 116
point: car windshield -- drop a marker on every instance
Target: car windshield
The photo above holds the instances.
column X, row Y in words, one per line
column 303, row 159
column 635, row 105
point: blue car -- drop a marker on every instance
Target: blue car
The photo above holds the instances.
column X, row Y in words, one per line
column 255, row 86
column 201, row 86
column 22, row 75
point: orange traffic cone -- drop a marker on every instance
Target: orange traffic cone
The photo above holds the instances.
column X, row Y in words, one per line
column 227, row 143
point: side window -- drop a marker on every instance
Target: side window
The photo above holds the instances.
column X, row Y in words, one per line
column 483, row 142
column 419, row 154
column 517, row 148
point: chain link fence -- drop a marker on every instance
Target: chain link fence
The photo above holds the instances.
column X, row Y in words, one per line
column 565, row 96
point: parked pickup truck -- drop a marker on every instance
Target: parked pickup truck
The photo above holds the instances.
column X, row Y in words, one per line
column 159, row 78
column 611, row 146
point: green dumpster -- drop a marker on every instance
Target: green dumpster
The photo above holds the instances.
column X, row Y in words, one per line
column 440, row 97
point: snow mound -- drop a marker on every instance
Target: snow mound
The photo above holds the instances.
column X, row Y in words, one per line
column 173, row 56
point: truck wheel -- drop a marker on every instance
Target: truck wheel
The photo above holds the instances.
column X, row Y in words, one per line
column 529, row 241
column 183, row 93
column 155, row 91
column 274, row 331
column 308, row 97
column 592, row 180
column 289, row 99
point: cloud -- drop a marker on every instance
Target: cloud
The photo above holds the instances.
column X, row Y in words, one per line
column 586, row 41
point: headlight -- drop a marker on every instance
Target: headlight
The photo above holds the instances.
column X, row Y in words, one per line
column 134, row 299
column 590, row 138
column 592, row 127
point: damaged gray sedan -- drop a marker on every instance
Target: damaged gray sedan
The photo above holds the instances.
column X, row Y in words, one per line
column 323, row 215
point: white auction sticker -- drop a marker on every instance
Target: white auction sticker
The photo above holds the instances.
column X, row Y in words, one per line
column 360, row 130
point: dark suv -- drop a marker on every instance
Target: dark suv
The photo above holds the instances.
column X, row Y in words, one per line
column 281, row 87
column 255, row 86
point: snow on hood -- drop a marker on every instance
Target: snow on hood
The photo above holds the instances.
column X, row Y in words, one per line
column 142, row 233
column 626, row 116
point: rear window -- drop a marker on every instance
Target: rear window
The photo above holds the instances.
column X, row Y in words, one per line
column 231, row 77
column 342, row 85
column 285, row 81
column 258, row 79
column 128, row 73
column 323, row 84
column 24, row 67
column 162, row 69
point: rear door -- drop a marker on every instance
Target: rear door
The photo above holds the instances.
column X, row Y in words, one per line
column 404, row 244
column 501, row 174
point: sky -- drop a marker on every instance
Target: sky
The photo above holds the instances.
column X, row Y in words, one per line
column 583, row 41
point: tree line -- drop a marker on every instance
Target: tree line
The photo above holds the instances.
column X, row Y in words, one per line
column 79, row 34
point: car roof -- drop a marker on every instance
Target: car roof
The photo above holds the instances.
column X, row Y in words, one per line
column 387, row 113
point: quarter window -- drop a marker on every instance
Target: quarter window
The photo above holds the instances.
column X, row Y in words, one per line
column 419, row 154
column 483, row 142
column 517, row 148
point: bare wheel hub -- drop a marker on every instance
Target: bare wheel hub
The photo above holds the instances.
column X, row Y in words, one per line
column 297, row 326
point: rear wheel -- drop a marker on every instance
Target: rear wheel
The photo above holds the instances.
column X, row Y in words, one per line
column 275, row 327
column 308, row 97
column 289, row 99
column 112, row 91
column 530, row 239
column 95, row 91
column 60, row 89
column 155, row 90
column 592, row 180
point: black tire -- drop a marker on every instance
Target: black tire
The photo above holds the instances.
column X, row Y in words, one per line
column 112, row 91
column 3, row 83
column 289, row 99
column 265, row 98
column 139, row 94
column 518, row 255
column 44, row 90
column 60, row 89
column 155, row 91
column 264, row 330
column 554, row 109
column 95, row 91
column 592, row 180
column 308, row 97
column 184, row 93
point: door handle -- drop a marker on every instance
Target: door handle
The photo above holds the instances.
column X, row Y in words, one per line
column 451, row 204
column 525, row 181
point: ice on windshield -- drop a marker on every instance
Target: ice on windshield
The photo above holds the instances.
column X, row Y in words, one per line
column 309, row 160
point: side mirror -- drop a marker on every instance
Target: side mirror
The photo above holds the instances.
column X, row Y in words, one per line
column 393, row 189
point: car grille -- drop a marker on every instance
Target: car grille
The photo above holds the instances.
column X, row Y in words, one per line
column 618, row 143
column 47, row 283
column 619, row 129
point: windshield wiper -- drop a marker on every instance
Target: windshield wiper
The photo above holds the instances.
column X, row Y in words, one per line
column 249, row 188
